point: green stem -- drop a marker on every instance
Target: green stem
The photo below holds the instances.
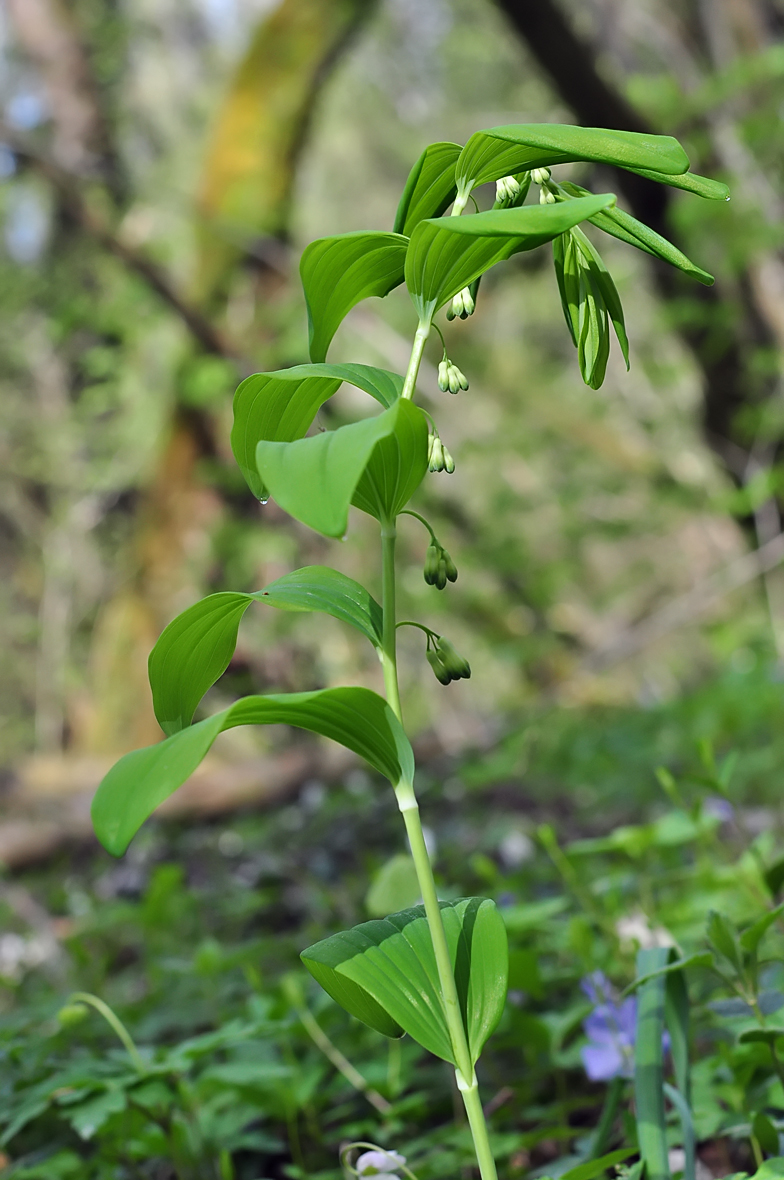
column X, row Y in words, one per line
column 389, row 632
column 466, row 1078
column 421, row 519
column 114, row 1022
column 409, row 385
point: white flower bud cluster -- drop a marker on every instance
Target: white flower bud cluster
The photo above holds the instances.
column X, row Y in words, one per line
column 438, row 457
column 540, row 175
column 450, row 378
column 507, row 188
column 462, row 305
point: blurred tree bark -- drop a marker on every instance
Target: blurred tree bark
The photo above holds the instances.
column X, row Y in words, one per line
column 245, row 196
column 727, row 327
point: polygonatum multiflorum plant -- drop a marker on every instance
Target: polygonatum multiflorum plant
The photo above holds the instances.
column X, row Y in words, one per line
column 437, row 971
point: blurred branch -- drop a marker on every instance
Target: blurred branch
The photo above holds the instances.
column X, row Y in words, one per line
column 83, row 212
column 81, row 141
column 720, row 343
column 687, row 607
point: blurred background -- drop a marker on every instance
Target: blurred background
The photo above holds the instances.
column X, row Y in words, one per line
column 162, row 164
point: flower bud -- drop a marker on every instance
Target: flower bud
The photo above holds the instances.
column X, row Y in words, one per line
column 432, row 558
column 507, row 188
column 540, row 175
column 451, row 568
column 440, row 581
column 447, row 460
column 462, row 305
column 443, row 375
column 436, row 454
column 439, row 670
column 72, row 1014
column 546, row 197
column 457, row 667
column 456, row 379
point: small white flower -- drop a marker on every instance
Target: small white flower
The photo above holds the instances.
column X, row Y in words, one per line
column 380, row 1164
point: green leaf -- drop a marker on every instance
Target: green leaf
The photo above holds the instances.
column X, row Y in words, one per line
column 384, row 973
column 687, row 1130
column 377, row 463
column 767, row 1036
column 448, row 253
column 430, row 187
column 700, row 959
column 593, row 1168
column 394, row 887
column 724, row 937
column 648, row 1064
column 605, row 288
column 752, row 935
column 355, row 717
column 765, row 1133
column 319, row 588
column 195, row 649
column 690, row 182
column 337, row 273
column 774, row 876
column 281, row 406
column 88, row 1117
column 500, row 151
column 628, row 229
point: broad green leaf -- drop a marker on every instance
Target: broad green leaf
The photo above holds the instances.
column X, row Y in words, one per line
column 690, row 182
column 648, row 1064
column 315, row 479
column 448, row 253
column 501, row 151
column 195, row 649
column 430, row 187
column 774, row 876
column 628, row 229
column 280, row 406
column 384, row 972
column 606, row 288
column 337, row 273
column 355, row 717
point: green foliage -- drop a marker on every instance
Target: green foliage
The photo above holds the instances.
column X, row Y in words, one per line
column 337, row 273
column 356, row 717
column 376, row 464
column 385, row 974
column 504, row 150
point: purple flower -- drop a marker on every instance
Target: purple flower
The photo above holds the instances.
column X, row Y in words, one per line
column 718, row 807
column 610, row 1030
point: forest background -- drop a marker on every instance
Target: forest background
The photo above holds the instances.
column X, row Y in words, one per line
column 163, row 165
column 621, row 595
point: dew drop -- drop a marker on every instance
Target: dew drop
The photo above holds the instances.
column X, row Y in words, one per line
column 728, row 197
column 263, row 500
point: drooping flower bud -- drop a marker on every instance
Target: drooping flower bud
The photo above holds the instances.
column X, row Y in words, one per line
column 443, row 375
column 451, row 568
column 455, row 379
column 432, row 558
column 540, row 175
column 439, row 670
column 447, row 460
column 72, row 1014
column 546, row 197
column 435, row 453
column 456, row 665
column 507, row 188
column 462, row 305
